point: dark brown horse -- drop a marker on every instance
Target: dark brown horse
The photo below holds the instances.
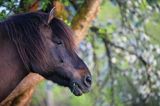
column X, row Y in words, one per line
column 38, row 42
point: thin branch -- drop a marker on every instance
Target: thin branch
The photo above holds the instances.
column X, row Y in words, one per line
column 96, row 70
column 108, row 53
column 130, row 52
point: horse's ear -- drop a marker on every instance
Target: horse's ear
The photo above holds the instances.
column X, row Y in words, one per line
column 51, row 15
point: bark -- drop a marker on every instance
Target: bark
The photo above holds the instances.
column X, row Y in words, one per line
column 60, row 10
column 22, row 94
column 82, row 21
column 23, row 7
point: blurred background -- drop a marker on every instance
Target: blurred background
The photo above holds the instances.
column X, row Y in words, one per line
column 120, row 45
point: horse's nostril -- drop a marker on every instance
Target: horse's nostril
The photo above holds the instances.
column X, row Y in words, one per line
column 88, row 81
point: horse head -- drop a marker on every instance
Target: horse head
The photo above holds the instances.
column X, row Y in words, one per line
column 62, row 64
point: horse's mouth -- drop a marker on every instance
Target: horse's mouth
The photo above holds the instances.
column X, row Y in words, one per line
column 77, row 90
column 77, row 87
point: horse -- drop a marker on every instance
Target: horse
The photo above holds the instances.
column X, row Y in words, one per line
column 41, row 43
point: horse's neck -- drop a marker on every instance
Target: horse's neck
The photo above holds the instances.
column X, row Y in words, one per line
column 11, row 68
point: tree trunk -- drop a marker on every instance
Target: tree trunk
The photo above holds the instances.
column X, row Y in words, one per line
column 83, row 19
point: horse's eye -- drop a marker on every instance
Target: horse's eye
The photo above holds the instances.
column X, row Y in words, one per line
column 59, row 42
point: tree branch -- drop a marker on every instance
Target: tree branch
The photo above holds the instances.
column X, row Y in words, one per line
column 83, row 19
column 130, row 52
column 23, row 7
column 108, row 53
column 27, row 83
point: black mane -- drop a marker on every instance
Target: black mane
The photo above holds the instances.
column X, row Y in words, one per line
column 24, row 31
